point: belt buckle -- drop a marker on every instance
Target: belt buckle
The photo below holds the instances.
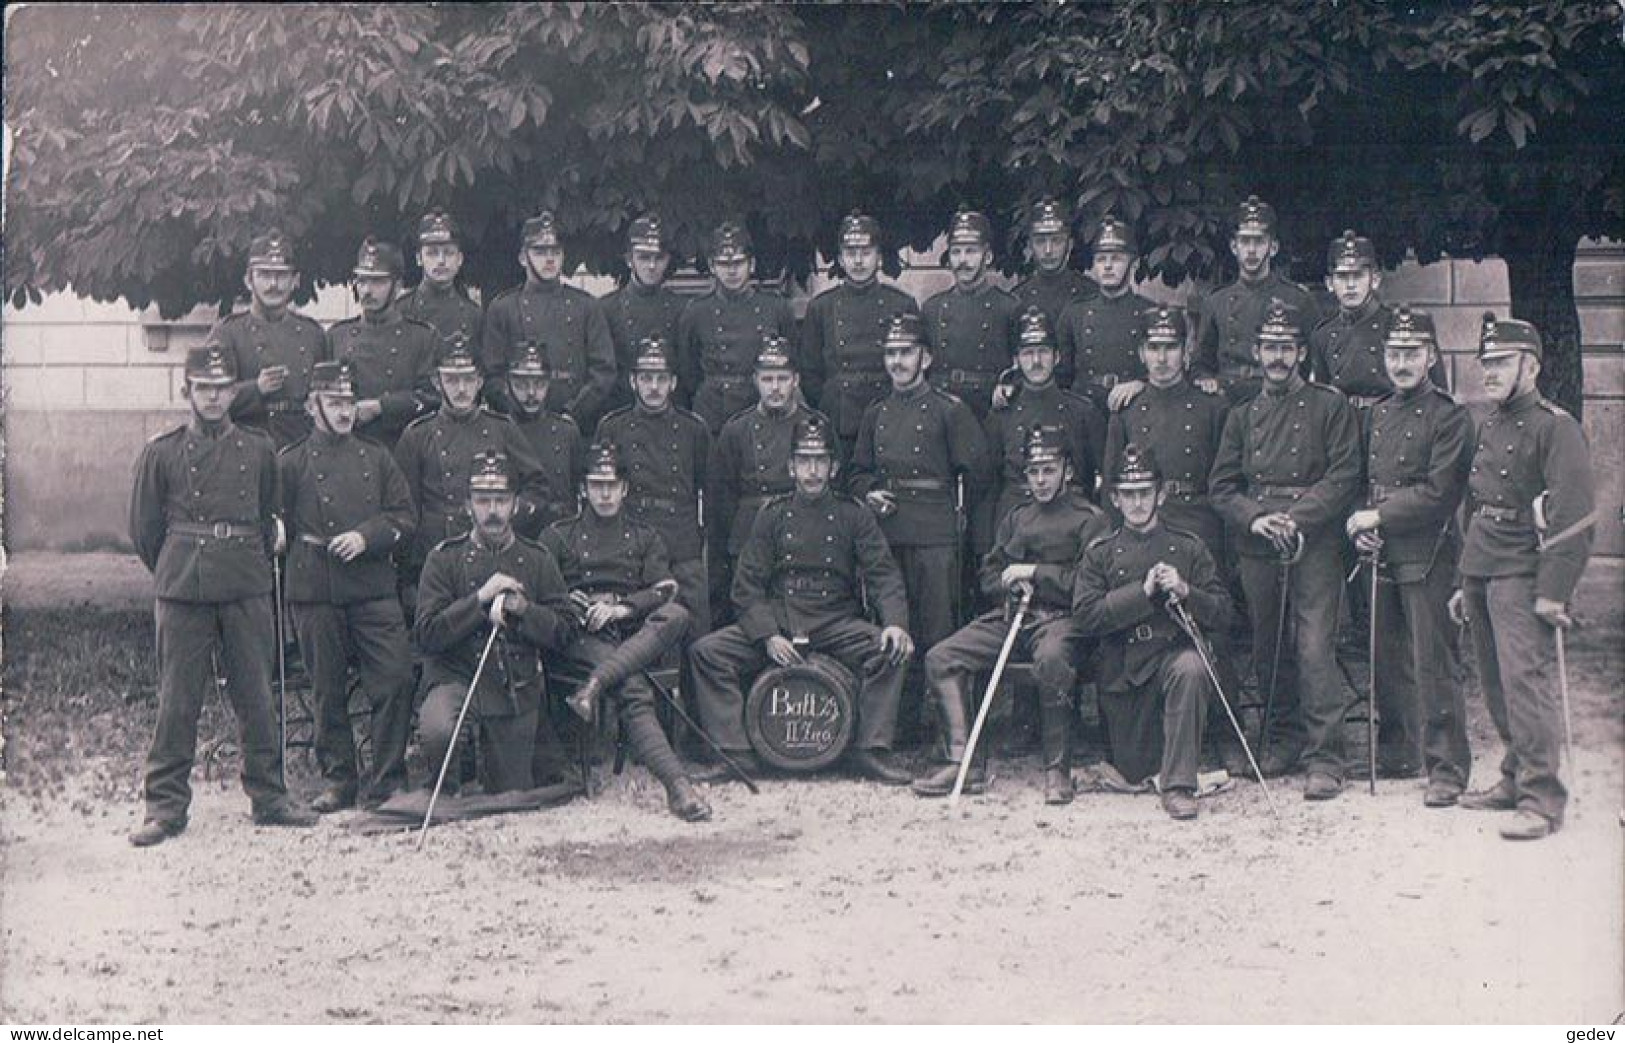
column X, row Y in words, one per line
column 1107, row 380
column 1143, row 632
column 222, row 530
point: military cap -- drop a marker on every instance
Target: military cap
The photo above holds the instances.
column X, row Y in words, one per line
column 332, row 378
column 458, row 358
column 1115, row 235
column 1034, row 330
column 774, row 353
column 437, row 226
column 652, row 356
column 1255, row 216
column 859, row 230
column 529, row 361
column 648, row 233
column 811, row 439
column 1048, row 216
column 210, row 364
column 730, row 242
column 1350, row 253
column 1136, row 468
column 603, row 463
column 905, row 330
column 1505, row 336
column 1045, row 443
column 1164, row 325
column 1281, row 324
column 271, row 252
column 540, row 230
column 1409, row 328
column 970, row 227
column 490, row 473
column 378, row 258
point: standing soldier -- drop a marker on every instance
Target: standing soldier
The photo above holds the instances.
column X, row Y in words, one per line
column 458, row 601
column 1519, row 568
column 203, row 520
column 437, row 300
column 347, row 508
column 1228, row 319
column 1054, row 284
column 718, row 334
column 812, row 559
column 621, row 586
column 567, row 323
column 644, row 306
column 664, row 451
column 1287, row 471
column 971, row 326
column 391, row 356
column 1100, row 338
column 750, row 461
column 1419, row 448
column 841, row 335
column 554, row 440
column 1037, row 549
column 913, row 445
column 274, row 347
column 1154, row 683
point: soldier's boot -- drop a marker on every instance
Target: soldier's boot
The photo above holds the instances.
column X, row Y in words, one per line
column 953, row 695
column 1055, row 720
column 1023, row 731
column 548, row 763
column 583, row 702
column 650, row 748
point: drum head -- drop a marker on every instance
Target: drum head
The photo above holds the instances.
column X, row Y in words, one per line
column 800, row 718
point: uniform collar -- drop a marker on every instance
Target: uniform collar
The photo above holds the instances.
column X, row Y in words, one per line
column 922, row 388
column 1521, row 403
column 1414, row 393
column 453, row 418
column 643, row 289
column 1293, row 386
column 1270, row 279
column 195, row 427
column 425, row 288
column 543, row 287
column 1360, row 314
column 255, row 310
column 1147, row 534
column 328, row 438
column 804, row 500
column 862, row 289
column 643, row 410
column 480, row 541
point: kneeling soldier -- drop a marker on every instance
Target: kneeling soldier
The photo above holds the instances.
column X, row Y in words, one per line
column 1035, row 553
column 620, row 582
column 457, row 598
column 1154, row 688
column 799, row 584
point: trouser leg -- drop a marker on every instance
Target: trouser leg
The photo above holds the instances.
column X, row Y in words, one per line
column 933, row 606
column 383, row 661
column 1399, row 735
column 1184, row 686
column 1527, row 651
column 508, row 746
column 437, row 718
column 1057, row 645
column 246, row 652
column 322, row 642
column 1446, row 753
column 662, row 629
column 1322, row 697
column 1261, row 581
column 720, row 660
column 1486, row 659
column 694, row 594
column 1133, row 719
column 636, row 701
column 951, row 669
column 186, row 634
column 855, row 643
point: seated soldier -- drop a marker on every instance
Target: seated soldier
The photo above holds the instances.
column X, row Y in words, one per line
column 1154, row 687
column 799, row 583
column 490, row 574
column 621, row 585
column 1034, row 554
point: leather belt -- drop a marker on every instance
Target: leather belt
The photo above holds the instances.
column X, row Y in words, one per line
column 1104, row 380
column 657, row 502
column 1178, row 487
column 314, row 541
column 1364, row 401
column 727, row 379
column 1381, row 492
column 220, row 530
column 1505, row 514
column 825, row 586
column 276, row 408
column 1292, row 491
column 973, row 377
column 752, row 503
column 934, row 485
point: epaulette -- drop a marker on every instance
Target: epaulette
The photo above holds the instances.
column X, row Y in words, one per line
column 527, row 541
column 1081, row 499
column 1322, row 387
column 410, row 424
column 564, row 523
column 351, row 321
column 160, row 436
column 452, row 541
column 1103, row 538
column 1442, row 393
column 291, row 446
column 1183, row 533
column 945, row 393
column 691, row 415
column 780, row 498
column 1069, row 393
column 418, row 322
column 1553, row 408
column 371, row 439
column 736, row 414
column 509, row 292
column 613, row 413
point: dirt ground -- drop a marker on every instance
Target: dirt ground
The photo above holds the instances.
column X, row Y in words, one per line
column 820, row 900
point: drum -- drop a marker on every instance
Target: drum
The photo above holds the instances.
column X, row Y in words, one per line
column 800, row 717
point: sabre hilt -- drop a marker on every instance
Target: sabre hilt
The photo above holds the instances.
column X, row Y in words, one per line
column 1293, row 556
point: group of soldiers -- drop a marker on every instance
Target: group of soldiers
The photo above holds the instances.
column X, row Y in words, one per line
column 1068, row 468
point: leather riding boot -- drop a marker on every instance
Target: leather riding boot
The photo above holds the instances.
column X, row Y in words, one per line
column 1055, row 722
column 651, row 749
column 953, row 708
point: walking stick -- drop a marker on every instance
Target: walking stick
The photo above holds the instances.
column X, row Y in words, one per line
column 457, row 729
column 987, row 697
column 1371, row 677
column 281, row 638
column 677, row 705
column 1187, row 623
column 1539, row 509
column 1287, row 560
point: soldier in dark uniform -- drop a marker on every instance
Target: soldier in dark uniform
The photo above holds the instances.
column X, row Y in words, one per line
column 812, row 558
column 1100, row 338
column 347, row 508
column 1155, row 688
column 1036, row 553
column 843, row 370
column 1287, row 471
column 391, row 355
column 486, row 576
column 1419, row 448
column 273, row 346
column 644, row 306
column 438, row 300
column 664, row 451
column 203, row 520
column 718, row 334
column 749, row 463
column 622, row 588
column 568, row 324
column 1517, row 580
column 1054, row 284
column 1228, row 319
column 971, row 326
column 554, row 440
column 436, row 452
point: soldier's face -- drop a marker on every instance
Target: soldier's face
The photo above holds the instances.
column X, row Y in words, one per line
column 332, row 413
column 1353, row 288
column 1046, row 479
column 440, row 262
column 1254, row 251
column 653, row 388
column 492, row 513
column 776, row 388
column 648, row 266
column 1278, row 360
column 460, row 390
column 210, row 401
column 1163, row 362
column 969, row 262
column 812, row 474
column 1138, row 506
column 733, row 275
column 605, row 497
column 271, row 288
column 906, row 366
column 1037, row 363
column 374, row 292
column 860, row 263
column 529, row 392
column 1049, row 250
column 1507, row 376
column 1110, row 269
column 543, row 262
column 1407, row 367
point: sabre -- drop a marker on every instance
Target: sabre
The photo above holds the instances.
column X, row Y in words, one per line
column 457, row 729
column 281, row 638
column 1287, row 560
column 677, row 706
column 1371, row 678
column 1538, row 507
column 987, row 697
